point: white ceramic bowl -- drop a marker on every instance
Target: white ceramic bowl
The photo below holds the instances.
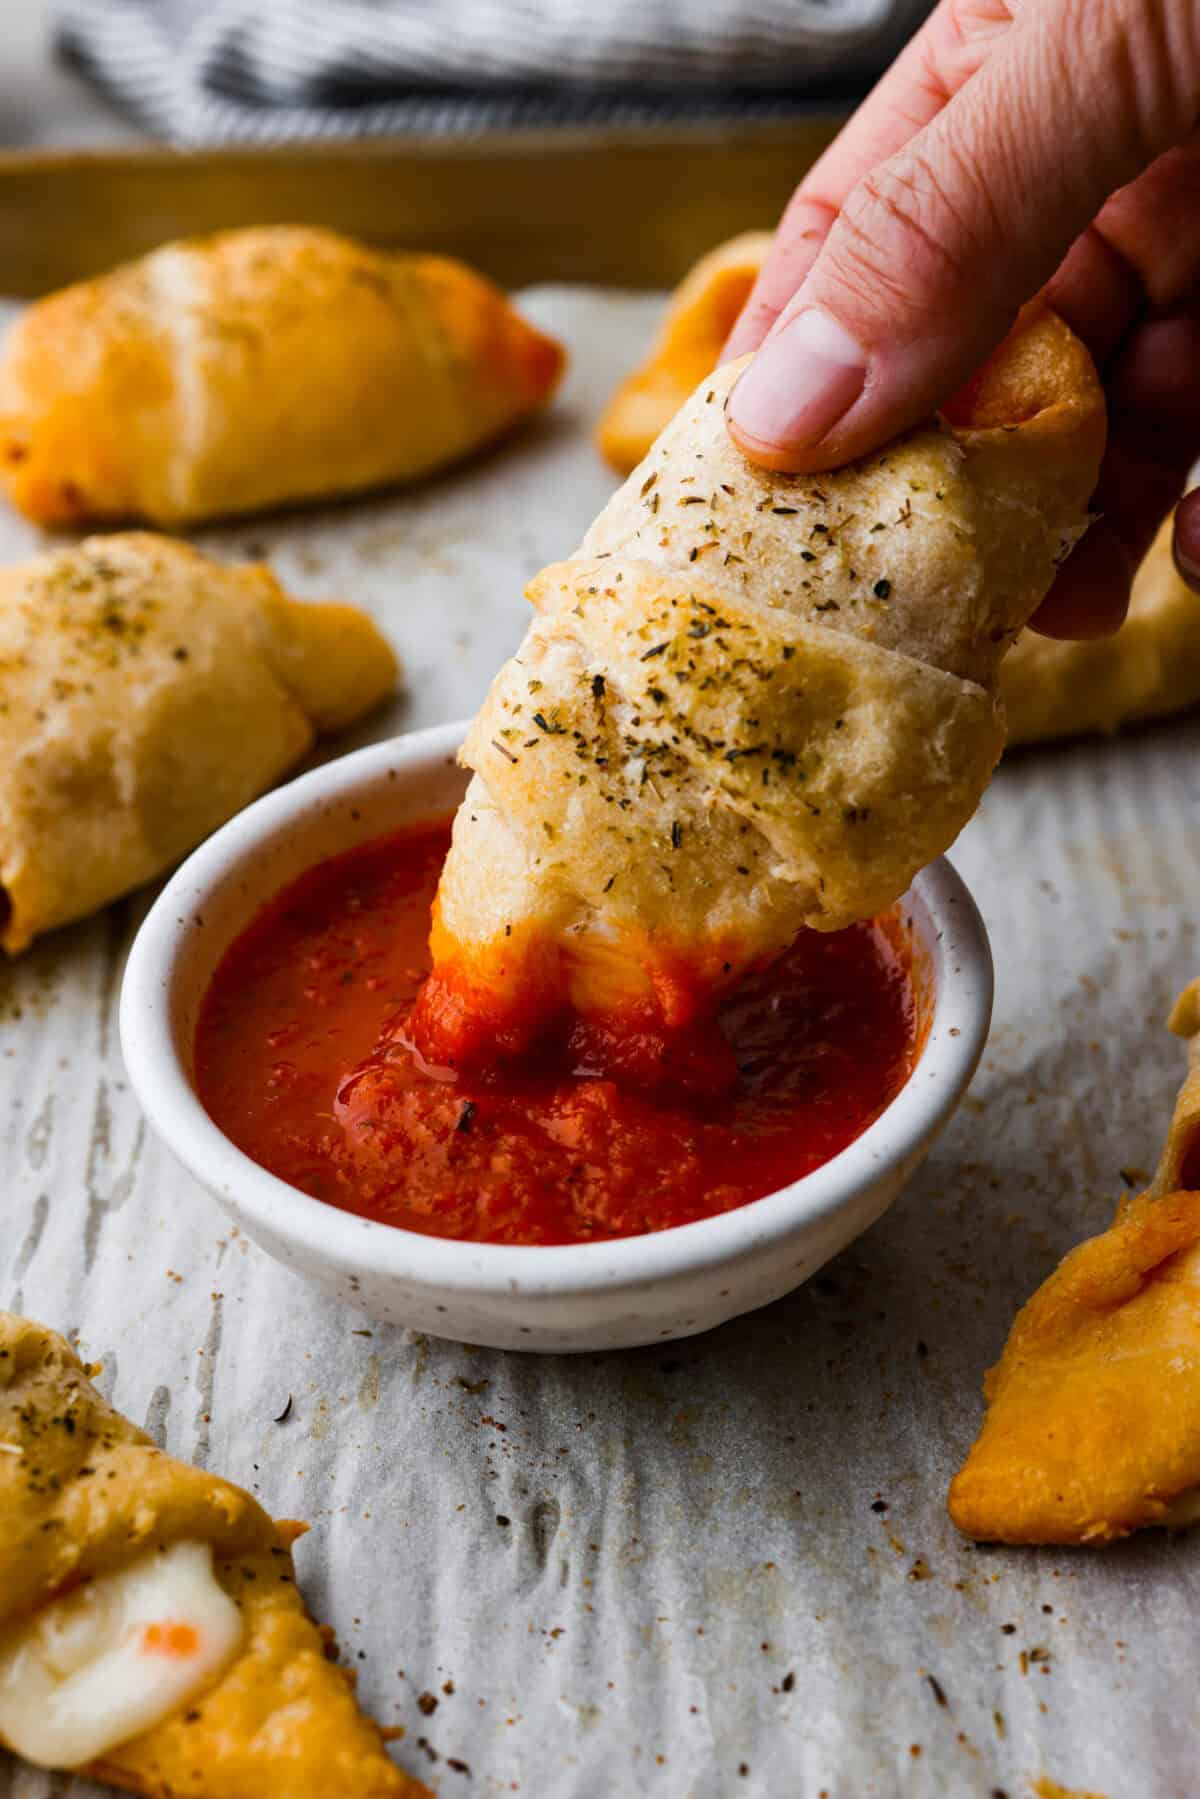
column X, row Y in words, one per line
column 575, row 1297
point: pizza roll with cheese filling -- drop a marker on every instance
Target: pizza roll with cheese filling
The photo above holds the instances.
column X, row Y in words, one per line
column 258, row 368
column 148, row 694
column 700, row 315
column 151, row 1633
column 1093, row 1419
column 751, row 702
column 1149, row 668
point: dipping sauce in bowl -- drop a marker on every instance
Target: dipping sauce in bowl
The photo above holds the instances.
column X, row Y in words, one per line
column 301, row 1060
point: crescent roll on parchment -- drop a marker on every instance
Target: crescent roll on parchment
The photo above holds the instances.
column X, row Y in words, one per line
column 151, row 1633
column 700, row 315
column 1149, row 668
column 146, row 695
column 1093, row 1420
column 751, row 702
column 1051, row 689
column 253, row 369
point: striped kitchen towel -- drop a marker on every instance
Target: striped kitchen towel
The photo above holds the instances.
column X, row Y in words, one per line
column 213, row 71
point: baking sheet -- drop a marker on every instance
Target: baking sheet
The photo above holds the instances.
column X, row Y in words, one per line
column 663, row 1572
column 654, row 197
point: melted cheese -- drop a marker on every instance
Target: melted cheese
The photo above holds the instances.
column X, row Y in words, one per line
column 116, row 1656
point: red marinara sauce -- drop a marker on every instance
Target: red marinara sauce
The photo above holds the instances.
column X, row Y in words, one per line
column 300, row 1060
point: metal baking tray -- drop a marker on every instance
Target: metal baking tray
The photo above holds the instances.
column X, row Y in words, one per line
column 723, row 1567
column 629, row 209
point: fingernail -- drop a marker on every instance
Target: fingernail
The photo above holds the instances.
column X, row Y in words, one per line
column 808, row 373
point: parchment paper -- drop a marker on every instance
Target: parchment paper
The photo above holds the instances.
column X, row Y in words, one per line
column 723, row 1566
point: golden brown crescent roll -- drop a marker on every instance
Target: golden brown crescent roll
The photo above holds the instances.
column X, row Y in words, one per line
column 1148, row 668
column 149, row 694
column 137, row 1589
column 1093, row 1420
column 257, row 368
column 750, row 702
column 700, row 315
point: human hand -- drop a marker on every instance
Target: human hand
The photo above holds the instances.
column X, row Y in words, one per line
column 1014, row 146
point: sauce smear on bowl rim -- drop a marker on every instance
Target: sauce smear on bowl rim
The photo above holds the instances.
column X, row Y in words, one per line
column 301, row 1059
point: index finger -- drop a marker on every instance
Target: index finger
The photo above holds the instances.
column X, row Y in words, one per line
column 1187, row 539
column 942, row 56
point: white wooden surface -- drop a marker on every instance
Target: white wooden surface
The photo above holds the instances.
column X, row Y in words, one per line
column 660, row 1572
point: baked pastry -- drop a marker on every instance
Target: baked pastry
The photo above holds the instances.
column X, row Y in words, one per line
column 750, row 702
column 1150, row 667
column 151, row 1633
column 148, row 694
column 253, row 369
column 700, row 315
column 1093, row 1420
column 1050, row 688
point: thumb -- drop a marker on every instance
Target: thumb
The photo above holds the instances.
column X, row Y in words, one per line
column 938, row 247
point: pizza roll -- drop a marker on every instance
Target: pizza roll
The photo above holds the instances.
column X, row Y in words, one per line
column 751, row 702
column 700, row 315
column 253, row 369
column 149, row 694
column 151, row 1633
column 1093, row 1419
column 1148, row 668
